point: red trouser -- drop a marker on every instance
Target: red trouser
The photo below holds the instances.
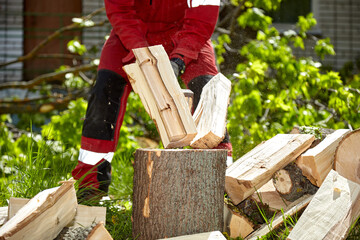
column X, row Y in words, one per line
column 107, row 105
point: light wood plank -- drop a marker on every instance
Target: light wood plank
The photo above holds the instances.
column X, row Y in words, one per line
column 331, row 212
column 153, row 79
column 257, row 167
column 210, row 114
column 317, row 162
column 44, row 216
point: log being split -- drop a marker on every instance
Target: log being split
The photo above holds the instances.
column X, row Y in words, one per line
column 210, row 114
column 178, row 192
column 153, row 79
column 331, row 212
column 44, row 216
column 347, row 157
column 291, row 184
column 257, row 167
column 317, row 162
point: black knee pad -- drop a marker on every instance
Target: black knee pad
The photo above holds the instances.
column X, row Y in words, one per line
column 103, row 107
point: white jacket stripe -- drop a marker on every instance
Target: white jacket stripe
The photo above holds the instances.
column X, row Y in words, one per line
column 197, row 3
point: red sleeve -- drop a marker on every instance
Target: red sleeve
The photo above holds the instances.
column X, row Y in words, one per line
column 199, row 25
column 126, row 24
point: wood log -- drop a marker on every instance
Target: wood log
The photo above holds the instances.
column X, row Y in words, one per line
column 291, row 184
column 317, row 162
column 294, row 208
column 347, row 157
column 85, row 215
column 215, row 235
column 178, row 192
column 210, row 114
column 257, row 167
column 99, row 232
column 44, row 216
column 153, row 79
column 331, row 212
column 236, row 224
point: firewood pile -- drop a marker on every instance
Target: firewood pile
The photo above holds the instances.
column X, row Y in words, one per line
column 52, row 214
column 311, row 171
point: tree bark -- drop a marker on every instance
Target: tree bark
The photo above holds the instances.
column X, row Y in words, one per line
column 178, row 192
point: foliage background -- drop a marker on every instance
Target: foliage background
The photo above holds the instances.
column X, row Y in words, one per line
column 272, row 91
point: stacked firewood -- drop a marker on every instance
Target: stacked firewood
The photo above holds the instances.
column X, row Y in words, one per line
column 313, row 170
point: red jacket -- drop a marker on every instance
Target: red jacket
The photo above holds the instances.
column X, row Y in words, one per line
column 136, row 21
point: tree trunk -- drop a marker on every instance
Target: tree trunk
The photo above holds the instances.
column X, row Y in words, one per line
column 178, row 192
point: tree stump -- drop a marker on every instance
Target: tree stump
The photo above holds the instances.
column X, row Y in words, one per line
column 178, row 192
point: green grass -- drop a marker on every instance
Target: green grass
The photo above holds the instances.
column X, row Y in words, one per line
column 40, row 169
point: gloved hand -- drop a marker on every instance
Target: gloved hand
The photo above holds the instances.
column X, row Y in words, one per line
column 178, row 66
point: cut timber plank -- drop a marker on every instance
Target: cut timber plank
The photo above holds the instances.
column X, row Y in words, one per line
column 3, row 215
column 235, row 224
column 85, row 215
column 317, row 162
column 153, row 79
column 292, row 209
column 215, row 235
column 99, row 232
column 257, row 167
column 210, row 114
column 347, row 157
column 331, row 212
column 44, row 216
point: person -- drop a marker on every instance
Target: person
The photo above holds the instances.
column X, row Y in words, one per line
column 183, row 28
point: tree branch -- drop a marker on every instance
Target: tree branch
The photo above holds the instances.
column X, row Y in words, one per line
column 48, row 77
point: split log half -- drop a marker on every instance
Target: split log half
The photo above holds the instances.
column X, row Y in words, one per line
column 331, row 212
column 210, row 114
column 44, row 216
column 178, row 192
column 258, row 166
column 317, row 162
column 236, row 224
column 291, row 184
column 347, row 157
column 153, row 79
